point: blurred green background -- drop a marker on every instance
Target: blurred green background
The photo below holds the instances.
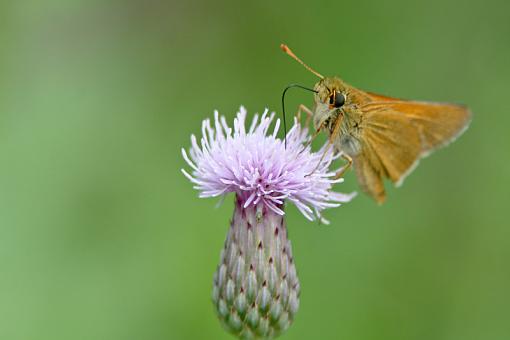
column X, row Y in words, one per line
column 101, row 237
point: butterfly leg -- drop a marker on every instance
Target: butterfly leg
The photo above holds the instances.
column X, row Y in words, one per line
column 313, row 137
column 309, row 114
column 331, row 139
column 345, row 167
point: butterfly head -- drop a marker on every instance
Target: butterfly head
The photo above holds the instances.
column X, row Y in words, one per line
column 331, row 92
column 331, row 95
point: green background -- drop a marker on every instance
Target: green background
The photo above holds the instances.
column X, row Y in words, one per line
column 101, row 237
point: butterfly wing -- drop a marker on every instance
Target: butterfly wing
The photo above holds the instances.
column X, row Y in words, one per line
column 369, row 173
column 395, row 134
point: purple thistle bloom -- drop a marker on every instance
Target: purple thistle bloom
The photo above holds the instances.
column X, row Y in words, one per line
column 259, row 169
column 256, row 289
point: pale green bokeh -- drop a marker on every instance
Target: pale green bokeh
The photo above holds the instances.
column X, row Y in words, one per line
column 101, row 237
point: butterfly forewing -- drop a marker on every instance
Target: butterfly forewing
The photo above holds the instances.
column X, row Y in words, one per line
column 395, row 134
column 437, row 123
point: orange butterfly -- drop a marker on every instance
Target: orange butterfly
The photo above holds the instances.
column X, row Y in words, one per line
column 383, row 137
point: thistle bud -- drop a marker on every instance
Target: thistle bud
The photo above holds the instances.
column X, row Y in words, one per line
column 256, row 288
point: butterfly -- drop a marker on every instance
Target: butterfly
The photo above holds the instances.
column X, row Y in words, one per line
column 382, row 137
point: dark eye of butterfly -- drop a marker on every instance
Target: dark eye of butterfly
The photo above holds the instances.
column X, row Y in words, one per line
column 339, row 99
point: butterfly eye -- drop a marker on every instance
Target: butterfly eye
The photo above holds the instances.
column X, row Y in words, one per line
column 339, row 99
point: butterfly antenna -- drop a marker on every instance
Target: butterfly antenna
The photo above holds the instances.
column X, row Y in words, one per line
column 287, row 50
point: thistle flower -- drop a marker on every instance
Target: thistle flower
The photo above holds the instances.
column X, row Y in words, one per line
column 256, row 288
